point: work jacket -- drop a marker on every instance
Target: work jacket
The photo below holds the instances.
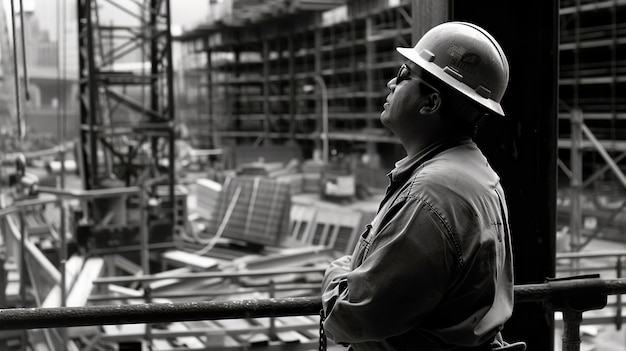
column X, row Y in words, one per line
column 433, row 271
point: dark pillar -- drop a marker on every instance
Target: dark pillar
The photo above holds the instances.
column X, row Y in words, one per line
column 522, row 147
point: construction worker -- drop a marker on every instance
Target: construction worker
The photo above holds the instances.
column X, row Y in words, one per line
column 433, row 270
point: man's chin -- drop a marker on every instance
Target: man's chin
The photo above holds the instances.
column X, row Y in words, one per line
column 383, row 117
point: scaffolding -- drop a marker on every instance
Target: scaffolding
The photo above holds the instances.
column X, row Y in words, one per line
column 126, row 104
column 320, row 84
column 591, row 119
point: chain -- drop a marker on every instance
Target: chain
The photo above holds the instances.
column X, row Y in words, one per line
column 322, row 333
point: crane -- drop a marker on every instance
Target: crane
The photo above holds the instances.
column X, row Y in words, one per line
column 126, row 115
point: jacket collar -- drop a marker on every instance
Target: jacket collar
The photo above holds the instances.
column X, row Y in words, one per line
column 405, row 167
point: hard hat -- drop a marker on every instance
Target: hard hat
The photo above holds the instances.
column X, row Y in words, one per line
column 465, row 57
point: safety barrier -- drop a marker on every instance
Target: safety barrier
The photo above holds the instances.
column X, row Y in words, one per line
column 606, row 261
column 572, row 296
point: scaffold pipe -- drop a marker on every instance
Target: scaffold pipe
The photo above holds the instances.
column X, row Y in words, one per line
column 34, row 318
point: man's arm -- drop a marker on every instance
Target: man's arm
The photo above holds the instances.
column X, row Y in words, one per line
column 404, row 276
column 335, row 281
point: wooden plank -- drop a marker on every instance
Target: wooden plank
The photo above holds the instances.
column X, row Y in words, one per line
column 84, row 282
column 72, row 269
column 244, row 339
column 122, row 291
column 127, row 265
column 155, row 285
column 181, row 258
column 212, row 339
column 160, row 345
column 186, row 342
column 41, row 337
column 132, row 328
column 288, row 337
column 45, row 266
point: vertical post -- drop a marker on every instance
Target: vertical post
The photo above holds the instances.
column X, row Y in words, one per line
column 571, row 330
column 3, row 284
column 266, row 86
column 324, row 134
column 291, row 69
column 370, row 51
column 62, row 267
column 272, row 328
column 88, row 98
column 576, row 182
column 20, row 122
column 170, row 108
column 522, row 147
column 3, row 276
column 317, row 69
column 144, row 252
column 23, row 273
column 618, row 312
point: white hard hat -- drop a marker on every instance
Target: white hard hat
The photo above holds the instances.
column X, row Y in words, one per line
column 465, row 57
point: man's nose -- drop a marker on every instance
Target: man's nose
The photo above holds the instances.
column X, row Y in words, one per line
column 391, row 84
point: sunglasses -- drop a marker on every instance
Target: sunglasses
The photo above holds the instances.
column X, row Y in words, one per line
column 404, row 73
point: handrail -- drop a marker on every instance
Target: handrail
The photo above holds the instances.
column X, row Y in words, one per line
column 617, row 255
column 572, row 296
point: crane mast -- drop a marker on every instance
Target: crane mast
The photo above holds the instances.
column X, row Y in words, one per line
column 126, row 115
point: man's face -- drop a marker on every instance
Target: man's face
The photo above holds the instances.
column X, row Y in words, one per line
column 404, row 100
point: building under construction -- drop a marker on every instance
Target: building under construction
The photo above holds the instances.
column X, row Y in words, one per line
column 241, row 171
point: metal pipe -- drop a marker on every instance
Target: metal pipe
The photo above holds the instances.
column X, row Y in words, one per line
column 34, row 318
column 571, row 331
column 20, row 122
column 576, row 181
column 324, row 136
column 203, row 275
column 90, row 194
column 22, row 25
column 618, row 312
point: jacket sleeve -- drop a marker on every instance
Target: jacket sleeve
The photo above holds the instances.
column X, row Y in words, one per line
column 409, row 265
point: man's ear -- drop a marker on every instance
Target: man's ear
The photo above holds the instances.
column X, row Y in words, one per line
column 432, row 105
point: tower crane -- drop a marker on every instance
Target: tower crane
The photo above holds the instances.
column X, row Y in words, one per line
column 126, row 120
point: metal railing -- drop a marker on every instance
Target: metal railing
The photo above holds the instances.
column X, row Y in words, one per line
column 572, row 296
column 610, row 261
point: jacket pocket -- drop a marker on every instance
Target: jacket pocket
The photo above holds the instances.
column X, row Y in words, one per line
column 363, row 248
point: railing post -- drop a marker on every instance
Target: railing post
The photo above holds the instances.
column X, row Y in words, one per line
column 272, row 329
column 22, row 270
column 618, row 312
column 571, row 330
column 63, row 261
column 589, row 295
